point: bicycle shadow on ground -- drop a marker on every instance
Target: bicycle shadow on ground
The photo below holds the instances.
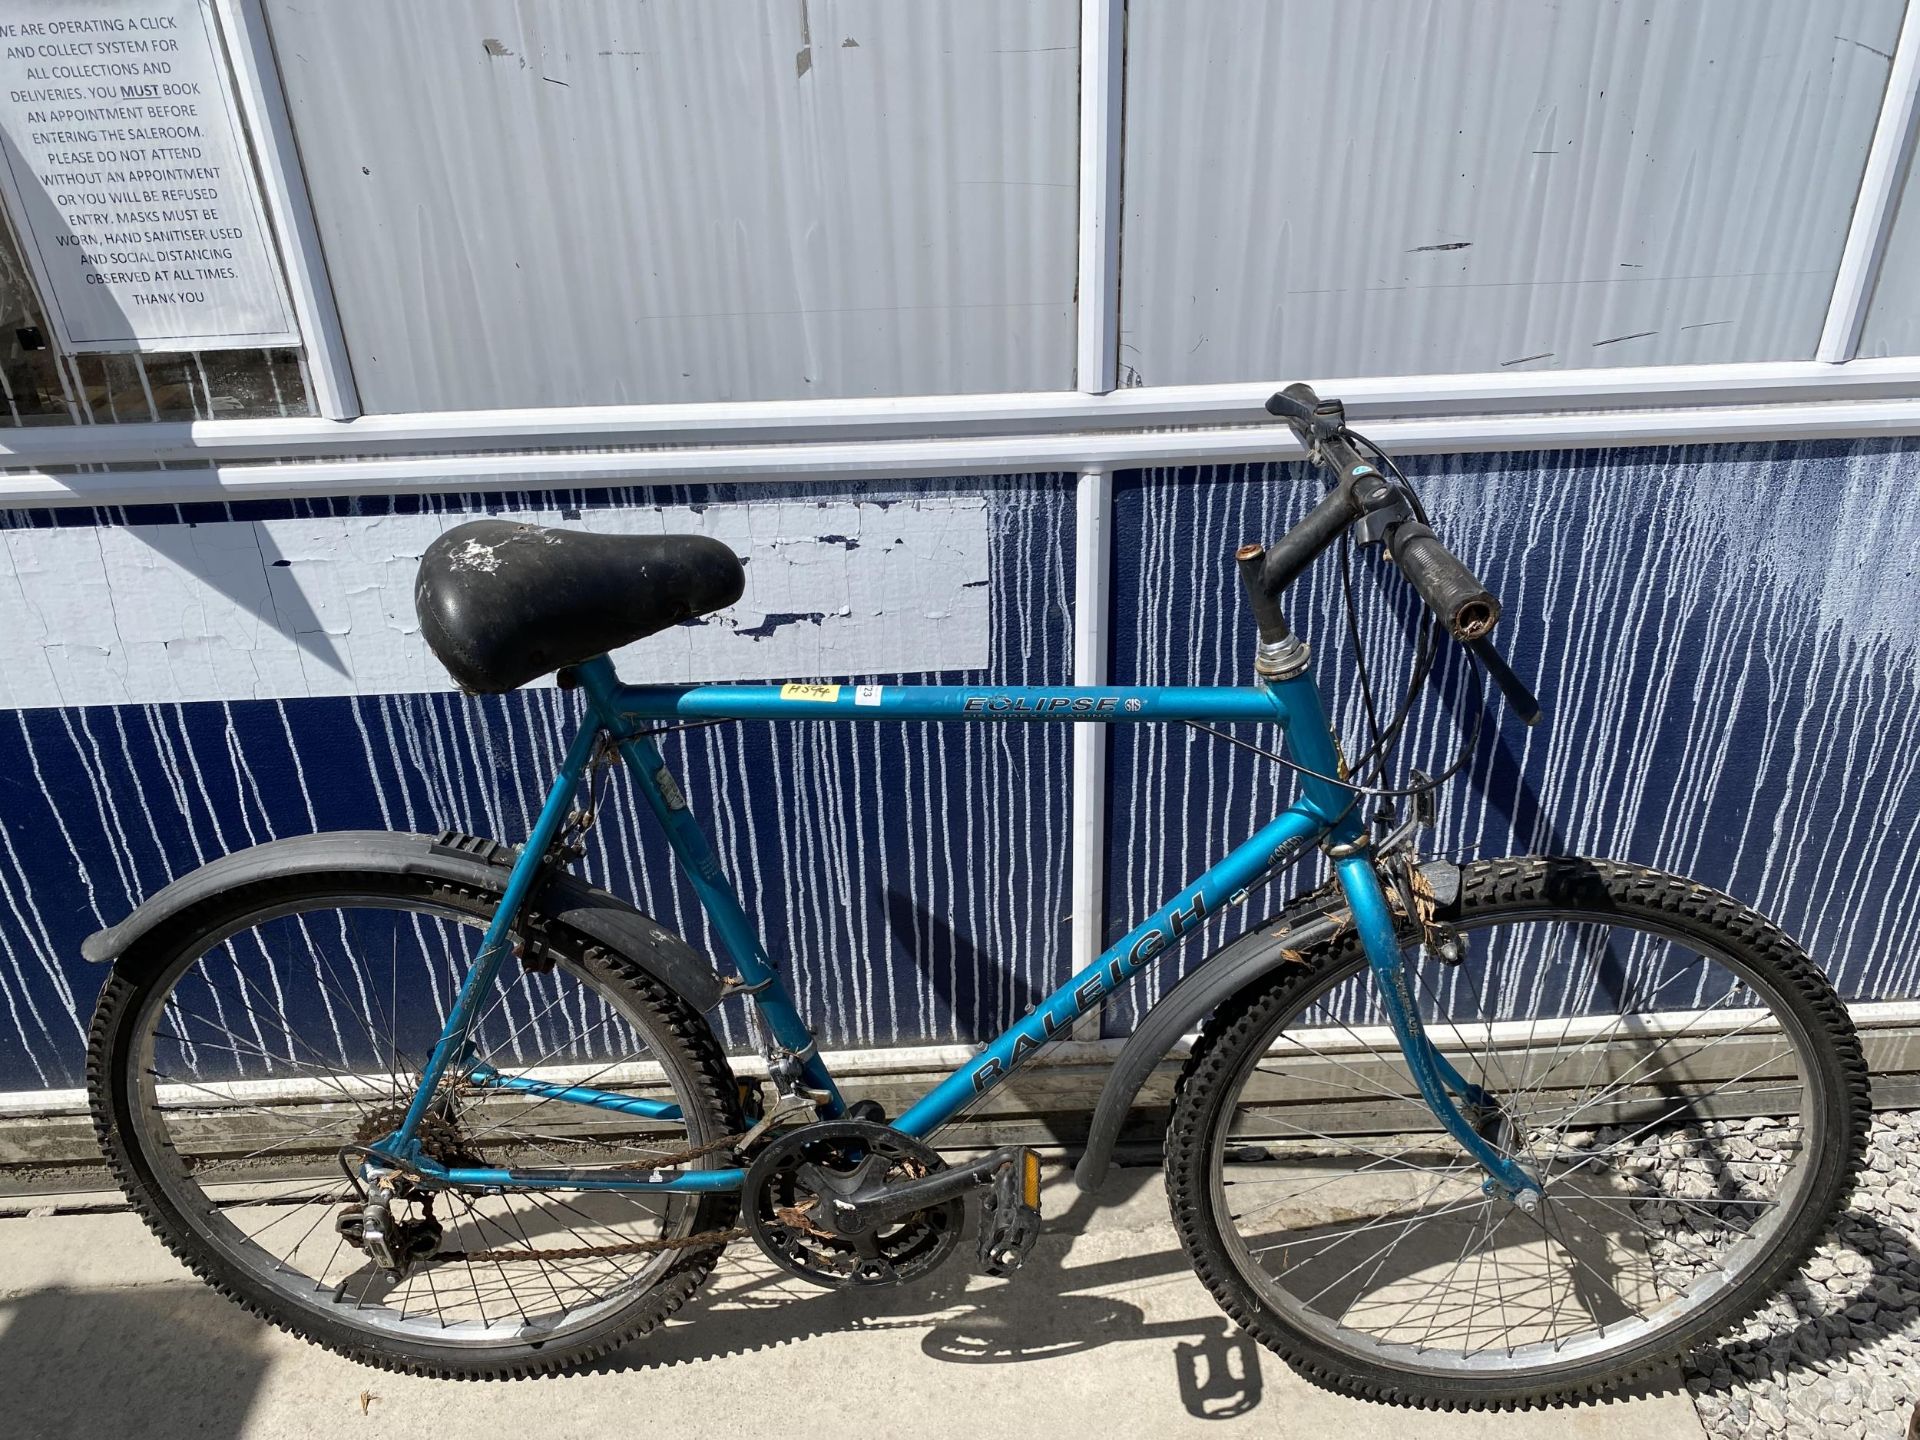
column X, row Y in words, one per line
column 1051, row 1310
column 178, row 1360
column 1047, row 1311
column 1827, row 1331
column 156, row 1361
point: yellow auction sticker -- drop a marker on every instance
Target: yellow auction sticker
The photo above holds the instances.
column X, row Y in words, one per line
column 809, row 692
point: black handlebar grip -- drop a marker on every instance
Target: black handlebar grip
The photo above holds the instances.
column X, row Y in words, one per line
column 1464, row 605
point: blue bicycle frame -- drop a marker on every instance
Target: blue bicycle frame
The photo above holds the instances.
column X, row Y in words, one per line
column 1325, row 813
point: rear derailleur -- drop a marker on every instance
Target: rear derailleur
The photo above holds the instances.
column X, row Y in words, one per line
column 397, row 1243
column 396, row 1246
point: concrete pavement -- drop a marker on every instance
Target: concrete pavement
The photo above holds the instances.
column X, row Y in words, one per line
column 1105, row 1332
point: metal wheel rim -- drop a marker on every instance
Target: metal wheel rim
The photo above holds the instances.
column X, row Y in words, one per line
column 1750, row 1248
column 210, row 1225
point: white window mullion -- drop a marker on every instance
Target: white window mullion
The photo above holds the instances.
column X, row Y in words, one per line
column 1102, row 48
column 257, row 78
column 1102, row 44
column 1879, row 200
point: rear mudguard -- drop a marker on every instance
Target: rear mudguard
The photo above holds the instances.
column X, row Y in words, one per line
column 463, row 862
column 1290, row 939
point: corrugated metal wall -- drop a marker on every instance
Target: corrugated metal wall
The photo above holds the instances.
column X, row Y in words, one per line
column 1415, row 187
column 594, row 202
column 539, row 203
column 566, row 202
column 527, row 203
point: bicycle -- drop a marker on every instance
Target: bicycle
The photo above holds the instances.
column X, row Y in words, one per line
column 1452, row 1134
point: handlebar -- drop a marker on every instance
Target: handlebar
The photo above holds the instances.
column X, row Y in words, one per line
column 1360, row 493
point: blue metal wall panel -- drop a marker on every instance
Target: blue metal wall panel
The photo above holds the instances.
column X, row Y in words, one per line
column 1727, row 641
column 915, row 876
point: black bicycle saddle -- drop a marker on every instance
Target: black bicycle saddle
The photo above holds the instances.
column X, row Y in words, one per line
column 502, row 603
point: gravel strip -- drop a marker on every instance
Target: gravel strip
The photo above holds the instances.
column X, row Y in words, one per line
column 1838, row 1356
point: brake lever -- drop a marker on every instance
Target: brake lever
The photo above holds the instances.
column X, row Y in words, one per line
column 1518, row 696
column 1322, row 420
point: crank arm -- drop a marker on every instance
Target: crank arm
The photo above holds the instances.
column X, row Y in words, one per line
column 868, row 1209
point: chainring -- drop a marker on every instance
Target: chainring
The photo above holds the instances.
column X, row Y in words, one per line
column 782, row 1191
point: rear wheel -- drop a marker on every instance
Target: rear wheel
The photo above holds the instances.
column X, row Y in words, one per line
column 1675, row 1071
column 233, row 1056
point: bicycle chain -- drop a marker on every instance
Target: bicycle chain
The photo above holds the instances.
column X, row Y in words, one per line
column 588, row 1252
column 698, row 1241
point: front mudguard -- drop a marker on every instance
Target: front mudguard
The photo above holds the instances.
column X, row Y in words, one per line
column 1292, row 938
column 462, row 862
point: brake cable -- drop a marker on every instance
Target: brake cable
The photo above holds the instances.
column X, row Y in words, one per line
column 1353, row 637
column 1383, row 744
column 1378, row 791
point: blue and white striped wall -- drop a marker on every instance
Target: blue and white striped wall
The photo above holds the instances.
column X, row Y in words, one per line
column 862, row 852
column 1727, row 640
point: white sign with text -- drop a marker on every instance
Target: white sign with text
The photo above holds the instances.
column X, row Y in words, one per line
column 128, row 179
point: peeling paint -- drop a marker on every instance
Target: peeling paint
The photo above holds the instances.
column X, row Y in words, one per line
column 475, row 555
column 282, row 609
column 778, row 621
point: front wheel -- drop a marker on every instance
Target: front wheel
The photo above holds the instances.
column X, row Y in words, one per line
column 1676, row 1073
column 236, row 1053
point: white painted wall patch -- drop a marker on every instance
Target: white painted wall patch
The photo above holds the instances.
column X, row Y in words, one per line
column 283, row 609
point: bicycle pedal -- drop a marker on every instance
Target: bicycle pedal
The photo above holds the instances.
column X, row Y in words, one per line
column 1010, row 1215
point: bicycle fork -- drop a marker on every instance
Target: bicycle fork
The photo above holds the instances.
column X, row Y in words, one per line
column 1438, row 1082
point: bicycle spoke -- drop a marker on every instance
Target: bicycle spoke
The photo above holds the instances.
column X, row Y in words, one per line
column 1451, row 1272
column 314, row 1045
